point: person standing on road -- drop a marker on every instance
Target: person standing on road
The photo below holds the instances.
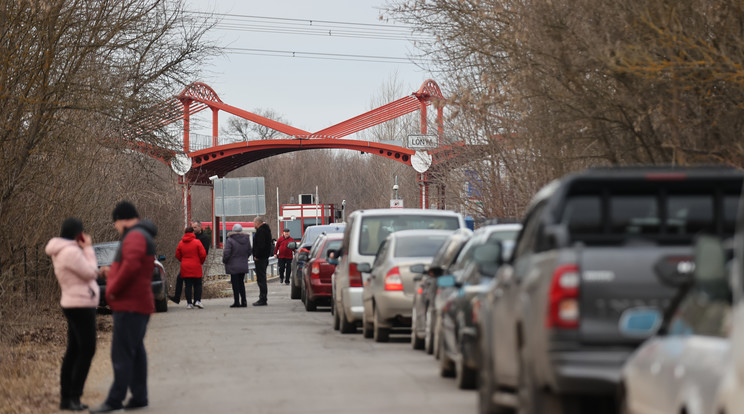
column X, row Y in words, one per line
column 284, row 256
column 191, row 253
column 207, row 243
column 76, row 269
column 235, row 257
column 261, row 253
column 129, row 294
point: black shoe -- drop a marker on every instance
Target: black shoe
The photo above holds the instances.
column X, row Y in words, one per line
column 260, row 303
column 243, row 305
column 281, row 281
column 235, row 305
column 104, row 408
column 287, row 283
column 72, row 405
column 174, row 299
column 133, row 405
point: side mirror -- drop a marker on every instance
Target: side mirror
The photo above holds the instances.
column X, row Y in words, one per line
column 292, row 245
column 488, row 258
column 161, row 257
column 556, row 235
column 364, row 268
column 418, row 268
column 302, row 256
column 436, row 271
column 446, row 281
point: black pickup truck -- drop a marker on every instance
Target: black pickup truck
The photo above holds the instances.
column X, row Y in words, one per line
column 554, row 322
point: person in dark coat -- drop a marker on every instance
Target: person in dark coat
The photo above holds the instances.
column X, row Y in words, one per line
column 192, row 255
column 235, row 257
column 206, row 242
column 284, row 256
column 129, row 294
column 261, row 252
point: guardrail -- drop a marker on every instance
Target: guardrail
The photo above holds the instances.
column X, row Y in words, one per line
column 216, row 270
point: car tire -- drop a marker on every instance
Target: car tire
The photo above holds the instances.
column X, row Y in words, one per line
column 429, row 333
column 380, row 334
column 416, row 342
column 294, row 290
column 367, row 327
column 466, row 378
column 345, row 326
column 310, row 305
column 531, row 398
column 161, row 305
column 336, row 320
column 446, row 365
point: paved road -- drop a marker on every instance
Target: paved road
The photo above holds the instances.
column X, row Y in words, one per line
column 282, row 359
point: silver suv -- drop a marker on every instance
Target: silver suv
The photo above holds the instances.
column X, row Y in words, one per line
column 365, row 231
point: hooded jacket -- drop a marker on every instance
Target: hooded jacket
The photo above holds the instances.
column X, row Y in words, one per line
column 191, row 253
column 237, row 252
column 129, row 282
column 76, row 270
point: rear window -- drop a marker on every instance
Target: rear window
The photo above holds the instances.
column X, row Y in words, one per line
column 425, row 246
column 312, row 233
column 331, row 245
column 661, row 216
column 375, row 229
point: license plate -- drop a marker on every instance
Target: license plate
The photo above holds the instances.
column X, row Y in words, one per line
column 641, row 321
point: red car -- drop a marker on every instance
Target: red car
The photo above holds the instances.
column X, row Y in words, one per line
column 317, row 272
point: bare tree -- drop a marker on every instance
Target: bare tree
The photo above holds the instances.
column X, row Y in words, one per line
column 249, row 130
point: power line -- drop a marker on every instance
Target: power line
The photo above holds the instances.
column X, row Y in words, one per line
column 317, row 55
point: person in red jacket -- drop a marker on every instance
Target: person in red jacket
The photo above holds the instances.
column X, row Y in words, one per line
column 129, row 294
column 191, row 253
column 284, row 256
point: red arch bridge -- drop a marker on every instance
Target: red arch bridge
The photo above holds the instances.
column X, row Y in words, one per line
column 219, row 157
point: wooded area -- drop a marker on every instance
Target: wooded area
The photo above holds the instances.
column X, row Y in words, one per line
column 534, row 89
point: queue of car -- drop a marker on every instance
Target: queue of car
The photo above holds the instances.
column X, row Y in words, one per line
column 609, row 297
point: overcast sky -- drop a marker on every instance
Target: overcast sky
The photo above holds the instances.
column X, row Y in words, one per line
column 327, row 81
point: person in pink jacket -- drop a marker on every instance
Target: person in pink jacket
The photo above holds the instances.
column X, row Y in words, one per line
column 76, row 269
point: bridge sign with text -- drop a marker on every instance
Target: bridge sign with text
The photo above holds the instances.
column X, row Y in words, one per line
column 422, row 142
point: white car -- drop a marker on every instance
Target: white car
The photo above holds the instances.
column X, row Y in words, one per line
column 682, row 369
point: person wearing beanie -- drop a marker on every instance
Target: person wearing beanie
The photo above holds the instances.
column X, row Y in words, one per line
column 76, row 269
column 129, row 294
column 235, row 257
column 191, row 253
column 261, row 252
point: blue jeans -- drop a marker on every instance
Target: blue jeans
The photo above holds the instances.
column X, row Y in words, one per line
column 129, row 358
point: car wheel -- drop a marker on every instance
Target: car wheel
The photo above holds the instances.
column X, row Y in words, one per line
column 465, row 377
column 446, row 366
column 345, row 326
column 429, row 333
column 161, row 305
column 416, row 342
column 380, row 334
column 294, row 290
column 310, row 305
column 487, row 386
column 336, row 320
column 532, row 399
column 367, row 327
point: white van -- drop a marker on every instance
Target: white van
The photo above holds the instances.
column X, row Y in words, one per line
column 365, row 231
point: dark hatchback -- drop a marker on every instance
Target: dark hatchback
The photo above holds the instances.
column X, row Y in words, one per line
column 105, row 255
column 304, row 245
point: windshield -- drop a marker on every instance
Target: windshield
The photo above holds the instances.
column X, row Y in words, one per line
column 418, row 246
column 374, row 230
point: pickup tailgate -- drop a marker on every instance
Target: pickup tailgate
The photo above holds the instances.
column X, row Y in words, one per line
column 615, row 280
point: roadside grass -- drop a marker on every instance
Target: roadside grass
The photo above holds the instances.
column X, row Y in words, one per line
column 32, row 344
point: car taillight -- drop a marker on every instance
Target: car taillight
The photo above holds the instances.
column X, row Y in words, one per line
column 420, row 290
column 475, row 313
column 315, row 271
column 563, row 308
column 392, row 280
column 355, row 276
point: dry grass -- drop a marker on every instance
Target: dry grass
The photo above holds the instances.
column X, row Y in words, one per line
column 31, row 351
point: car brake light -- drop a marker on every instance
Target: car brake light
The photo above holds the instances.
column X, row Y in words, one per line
column 392, row 280
column 315, row 271
column 475, row 313
column 563, row 308
column 355, row 276
column 420, row 290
